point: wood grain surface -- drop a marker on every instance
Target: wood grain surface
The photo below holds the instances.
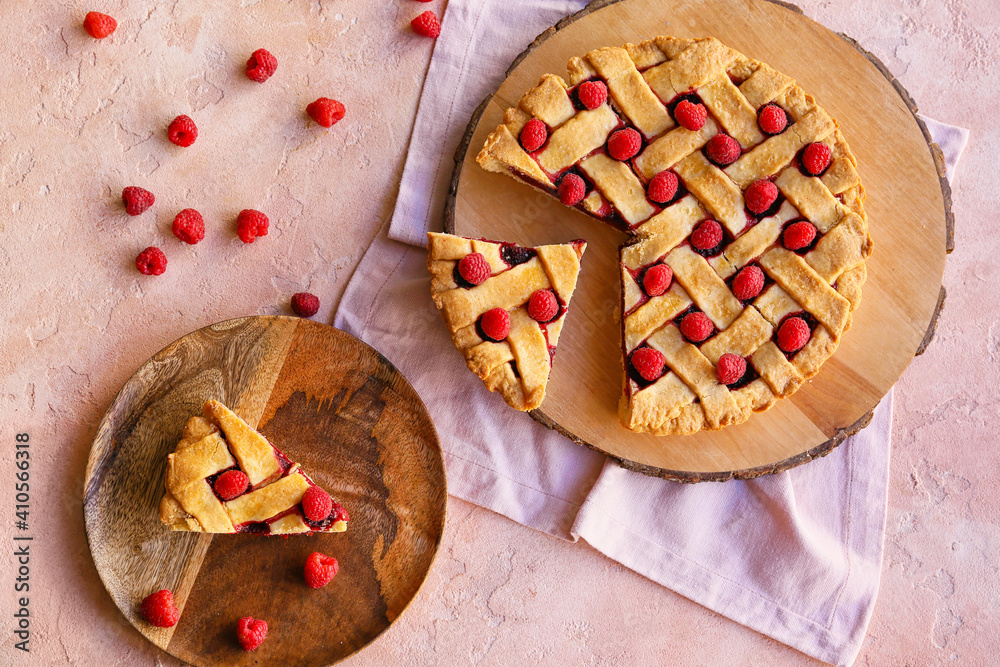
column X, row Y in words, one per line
column 909, row 213
column 329, row 402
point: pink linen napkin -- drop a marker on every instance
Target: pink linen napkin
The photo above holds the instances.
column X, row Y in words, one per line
column 795, row 556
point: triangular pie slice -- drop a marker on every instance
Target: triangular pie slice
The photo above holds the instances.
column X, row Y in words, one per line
column 504, row 305
column 225, row 477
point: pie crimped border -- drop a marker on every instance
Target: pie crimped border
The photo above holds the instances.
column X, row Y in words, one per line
column 838, row 437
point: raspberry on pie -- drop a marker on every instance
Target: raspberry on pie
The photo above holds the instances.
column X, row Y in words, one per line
column 210, row 448
column 498, row 325
column 823, row 278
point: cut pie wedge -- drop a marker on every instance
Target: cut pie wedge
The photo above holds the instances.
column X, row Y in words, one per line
column 504, row 305
column 225, row 477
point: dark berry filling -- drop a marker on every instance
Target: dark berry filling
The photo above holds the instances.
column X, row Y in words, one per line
column 513, row 255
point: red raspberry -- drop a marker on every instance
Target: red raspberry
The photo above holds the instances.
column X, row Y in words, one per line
column 572, row 190
column 624, row 144
column 189, row 226
column 772, row 119
column 816, row 158
column 662, row 187
column 657, row 279
column 707, row 235
column 760, row 196
column 649, row 363
column 722, row 149
column 320, row 569
column 231, row 484
column 696, row 327
column 325, row 111
column 151, row 261
column 495, row 324
column 261, row 65
column 690, row 116
column 798, row 235
column 316, row 504
column 159, row 609
column 533, row 135
column 731, row 368
column 136, row 199
column 793, row 334
column 182, row 131
column 305, row 304
column 251, row 632
column 474, row 268
column 339, row 513
column 426, row 25
column 543, row 306
column 251, row 225
column 748, row 283
column 99, row 25
column 593, row 94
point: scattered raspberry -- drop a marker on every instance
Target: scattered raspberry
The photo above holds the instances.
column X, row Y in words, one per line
column 151, row 261
column 816, row 158
column 798, row 235
column 760, row 196
column 624, row 144
column 772, row 119
column 251, row 632
column 261, row 65
column 533, row 135
column 99, row 25
column 662, row 187
column 426, row 25
column 793, row 334
column 305, row 304
column 231, row 484
column 543, row 306
column 251, row 225
column 316, row 504
column 707, row 235
column 514, row 255
column 722, row 149
column 159, row 609
column 189, row 226
column 320, row 569
column 648, row 363
column 495, row 324
column 696, row 327
column 657, row 279
column 748, row 283
column 136, row 199
column 593, row 94
column 690, row 116
column 474, row 268
column 572, row 190
column 182, row 131
column 731, row 368
column 325, row 111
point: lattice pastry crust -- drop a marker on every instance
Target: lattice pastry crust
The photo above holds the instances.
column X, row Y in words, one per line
column 820, row 284
column 517, row 366
column 220, row 441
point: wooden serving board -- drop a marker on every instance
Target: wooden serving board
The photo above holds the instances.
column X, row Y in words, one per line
column 329, row 402
column 909, row 213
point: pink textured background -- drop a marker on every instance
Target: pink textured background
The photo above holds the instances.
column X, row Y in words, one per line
column 84, row 118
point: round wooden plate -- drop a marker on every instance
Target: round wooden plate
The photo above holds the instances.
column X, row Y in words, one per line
column 908, row 206
column 331, row 403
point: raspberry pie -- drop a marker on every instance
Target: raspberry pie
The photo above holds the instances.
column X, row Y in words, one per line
column 225, row 477
column 504, row 305
column 744, row 208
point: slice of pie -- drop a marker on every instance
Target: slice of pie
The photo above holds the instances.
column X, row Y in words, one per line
column 225, row 477
column 744, row 207
column 504, row 305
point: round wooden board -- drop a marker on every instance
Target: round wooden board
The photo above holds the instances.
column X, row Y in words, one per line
column 909, row 216
column 331, row 403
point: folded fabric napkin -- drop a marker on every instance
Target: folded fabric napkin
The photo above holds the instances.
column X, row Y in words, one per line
column 795, row 556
